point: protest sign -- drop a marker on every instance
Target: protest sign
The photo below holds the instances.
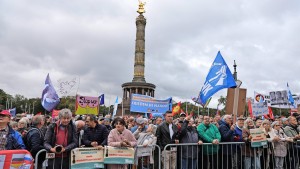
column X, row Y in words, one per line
column 258, row 138
column 118, row 155
column 147, row 104
column 87, row 158
column 259, row 109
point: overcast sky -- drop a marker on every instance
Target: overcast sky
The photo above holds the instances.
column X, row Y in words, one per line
column 95, row 40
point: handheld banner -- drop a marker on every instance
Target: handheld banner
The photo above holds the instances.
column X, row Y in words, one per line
column 86, row 158
column 258, row 138
column 259, row 109
column 12, row 159
column 118, row 155
column 86, row 105
column 147, row 104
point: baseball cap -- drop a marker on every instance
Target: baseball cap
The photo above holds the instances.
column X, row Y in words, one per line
column 5, row 112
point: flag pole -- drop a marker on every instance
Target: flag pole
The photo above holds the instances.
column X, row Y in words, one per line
column 122, row 108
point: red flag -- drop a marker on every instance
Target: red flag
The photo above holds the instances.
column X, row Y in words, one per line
column 270, row 113
column 250, row 108
column 176, row 109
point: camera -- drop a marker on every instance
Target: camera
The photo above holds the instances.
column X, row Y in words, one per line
column 58, row 148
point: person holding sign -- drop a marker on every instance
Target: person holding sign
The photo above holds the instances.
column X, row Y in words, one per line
column 251, row 155
column 120, row 137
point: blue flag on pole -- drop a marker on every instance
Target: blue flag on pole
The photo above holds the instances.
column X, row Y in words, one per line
column 101, row 99
column 219, row 77
column 50, row 98
column 13, row 112
column 290, row 96
column 115, row 107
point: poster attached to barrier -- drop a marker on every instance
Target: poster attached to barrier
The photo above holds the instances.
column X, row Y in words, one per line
column 87, row 158
column 13, row 159
column 258, row 138
column 118, row 155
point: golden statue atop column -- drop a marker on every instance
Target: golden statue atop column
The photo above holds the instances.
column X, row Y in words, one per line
column 141, row 9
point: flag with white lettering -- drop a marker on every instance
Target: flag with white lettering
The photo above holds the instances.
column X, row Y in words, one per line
column 219, row 77
column 290, row 96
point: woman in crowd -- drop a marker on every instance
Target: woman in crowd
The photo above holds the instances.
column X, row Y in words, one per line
column 146, row 139
column 279, row 144
column 251, row 155
column 267, row 150
column 120, row 137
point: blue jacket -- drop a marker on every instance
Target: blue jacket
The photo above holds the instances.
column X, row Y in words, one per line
column 14, row 140
column 227, row 135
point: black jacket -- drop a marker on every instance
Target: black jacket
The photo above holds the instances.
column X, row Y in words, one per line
column 50, row 137
column 34, row 140
column 99, row 134
column 163, row 135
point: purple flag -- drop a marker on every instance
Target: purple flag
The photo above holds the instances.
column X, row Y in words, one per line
column 50, row 98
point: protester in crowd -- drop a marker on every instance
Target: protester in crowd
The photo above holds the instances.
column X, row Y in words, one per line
column 258, row 123
column 226, row 129
column 9, row 138
column 107, row 124
column 279, row 144
column 60, row 139
column 14, row 125
column 146, row 139
column 141, row 125
column 80, row 126
column 285, row 123
column 158, row 121
column 130, row 123
column 22, row 127
column 120, row 137
column 189, row 154
column 101, row 120
column 265, row 158
column 251, row 155
column 238, row 137
column 167, row 133
column 293, row 130
column 95, row 135
column 209, row 133
column 34, row 139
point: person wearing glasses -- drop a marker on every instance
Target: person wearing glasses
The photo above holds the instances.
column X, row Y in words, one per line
column 9, row 138
column 120, row 137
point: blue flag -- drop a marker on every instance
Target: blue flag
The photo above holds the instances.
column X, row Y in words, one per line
column 13, row 112
column 219, row 77
column 50, row 98
column 290, row 96
column 101, row 99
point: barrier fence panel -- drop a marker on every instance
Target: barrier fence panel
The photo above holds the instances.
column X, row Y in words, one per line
column 235, row 155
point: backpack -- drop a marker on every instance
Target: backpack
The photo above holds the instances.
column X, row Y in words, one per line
column 26, row 138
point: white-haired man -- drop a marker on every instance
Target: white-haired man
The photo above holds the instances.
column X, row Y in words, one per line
column 60, row 139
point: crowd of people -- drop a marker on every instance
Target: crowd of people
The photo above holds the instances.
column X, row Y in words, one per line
column 218, row 142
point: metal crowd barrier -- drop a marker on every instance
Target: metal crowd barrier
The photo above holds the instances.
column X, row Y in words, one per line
column 228, row 155
column 231, row 155
column 145, row 158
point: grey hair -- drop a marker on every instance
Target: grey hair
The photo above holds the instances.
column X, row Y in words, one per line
column 226, row 116
column 65, row 113
column 36, row 120
column 246, row 123
column 23, row 121
column 154, row 128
